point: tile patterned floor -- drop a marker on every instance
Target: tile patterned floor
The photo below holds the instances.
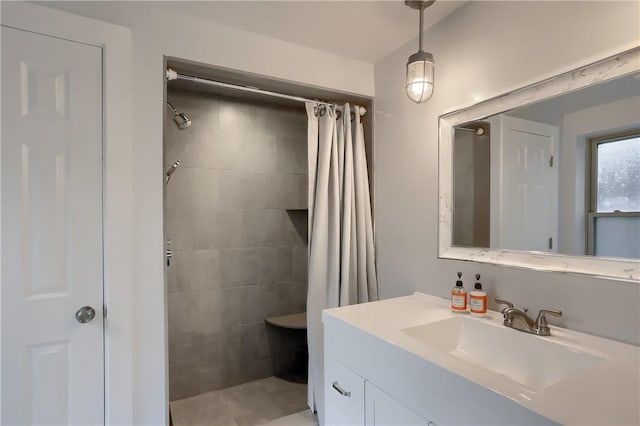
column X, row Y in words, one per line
column 255, row 403
column 303, row 418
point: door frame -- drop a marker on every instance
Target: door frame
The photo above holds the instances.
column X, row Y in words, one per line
column 115, row 42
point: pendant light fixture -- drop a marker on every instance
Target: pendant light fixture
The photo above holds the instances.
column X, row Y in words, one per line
column 420, row 66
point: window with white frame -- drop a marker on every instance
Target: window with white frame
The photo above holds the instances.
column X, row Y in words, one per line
column 613, row 218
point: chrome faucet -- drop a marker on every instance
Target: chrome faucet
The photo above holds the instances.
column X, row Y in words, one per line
column 525, row 323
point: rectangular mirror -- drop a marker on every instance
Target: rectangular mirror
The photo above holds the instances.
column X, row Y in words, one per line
column 548, row 176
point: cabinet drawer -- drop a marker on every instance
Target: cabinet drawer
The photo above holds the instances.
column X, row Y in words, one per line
column 343, row 395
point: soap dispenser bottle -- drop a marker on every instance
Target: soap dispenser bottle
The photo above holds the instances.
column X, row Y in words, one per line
column 478, row 300
column 459, row 296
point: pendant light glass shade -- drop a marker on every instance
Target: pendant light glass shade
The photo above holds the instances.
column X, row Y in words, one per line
column 420, row 66
column 419, row 82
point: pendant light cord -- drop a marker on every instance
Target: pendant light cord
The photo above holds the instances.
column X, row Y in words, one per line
column 421, row 22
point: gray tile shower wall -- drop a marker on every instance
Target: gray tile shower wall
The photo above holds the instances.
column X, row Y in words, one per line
column 235, row 214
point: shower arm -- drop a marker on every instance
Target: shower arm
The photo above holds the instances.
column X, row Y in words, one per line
column 175, row 112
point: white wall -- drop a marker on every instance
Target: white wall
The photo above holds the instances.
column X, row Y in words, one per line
column 576, row 128
column 484, row 50
column 156, row 33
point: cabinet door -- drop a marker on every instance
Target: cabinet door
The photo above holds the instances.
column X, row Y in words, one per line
column 384, row 410
column 344, row 395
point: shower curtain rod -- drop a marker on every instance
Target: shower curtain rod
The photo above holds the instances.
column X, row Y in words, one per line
column 174, row 75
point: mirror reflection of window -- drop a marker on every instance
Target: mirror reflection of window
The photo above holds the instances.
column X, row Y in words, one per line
column 613, row 220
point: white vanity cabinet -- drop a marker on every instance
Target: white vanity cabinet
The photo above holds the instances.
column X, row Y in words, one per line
column 381, row 409
column 344, row 392
column 350, row 400
column 411, row 361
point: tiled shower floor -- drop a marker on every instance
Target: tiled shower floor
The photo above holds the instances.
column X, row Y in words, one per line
column 255, row 403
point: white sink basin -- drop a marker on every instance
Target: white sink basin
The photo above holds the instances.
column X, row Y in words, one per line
column 529, row 360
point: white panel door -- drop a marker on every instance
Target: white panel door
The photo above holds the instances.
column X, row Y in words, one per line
column 52, row 365
column 529, row 185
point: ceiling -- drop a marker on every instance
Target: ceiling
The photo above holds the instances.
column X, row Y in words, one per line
column 365, row 30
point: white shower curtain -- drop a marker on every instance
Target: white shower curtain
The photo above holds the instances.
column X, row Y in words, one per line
column 341, row 255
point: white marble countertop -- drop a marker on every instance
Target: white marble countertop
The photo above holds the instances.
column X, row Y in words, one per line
column 604, row 394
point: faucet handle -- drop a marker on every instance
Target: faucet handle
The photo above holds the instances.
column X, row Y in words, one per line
column 504, row 302
column 541, row 321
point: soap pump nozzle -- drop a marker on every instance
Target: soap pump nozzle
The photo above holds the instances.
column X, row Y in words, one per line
column 478, row 286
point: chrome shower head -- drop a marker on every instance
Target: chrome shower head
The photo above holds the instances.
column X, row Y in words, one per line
column 172, row 169
column 180, row 118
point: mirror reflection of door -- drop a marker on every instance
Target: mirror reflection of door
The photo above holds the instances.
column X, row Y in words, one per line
column 524, row 170
column 505, row 184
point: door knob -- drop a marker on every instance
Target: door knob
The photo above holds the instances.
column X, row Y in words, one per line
column 85, row 314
